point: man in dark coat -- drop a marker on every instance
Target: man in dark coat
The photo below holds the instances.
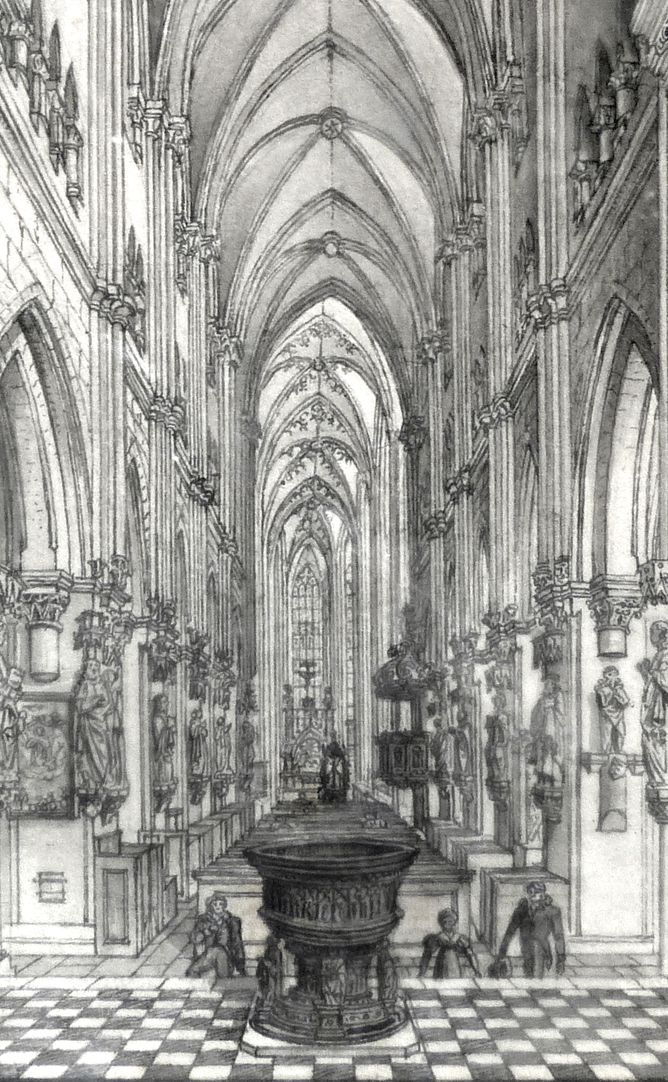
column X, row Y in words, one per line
column 536, row 918
column 217, row 941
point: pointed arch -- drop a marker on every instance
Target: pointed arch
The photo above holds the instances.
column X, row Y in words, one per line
column 614, row 454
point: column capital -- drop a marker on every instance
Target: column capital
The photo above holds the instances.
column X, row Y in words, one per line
column 177, row 134
column 433, row 345
column 653, row 580
column 167, row 411
column 613, row 601
column 413, row 432
column 225, row 346
column 46, row 595
column 484, row 127
column 156, row 117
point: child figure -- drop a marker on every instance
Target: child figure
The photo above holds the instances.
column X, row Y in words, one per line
column 452, row 950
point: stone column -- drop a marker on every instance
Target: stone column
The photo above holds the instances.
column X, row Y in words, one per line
column 435, row 354
column 46, row 595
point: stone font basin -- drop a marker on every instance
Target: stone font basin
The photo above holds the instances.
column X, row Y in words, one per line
column 330, row 903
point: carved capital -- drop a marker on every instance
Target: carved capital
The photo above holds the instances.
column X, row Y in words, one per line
column 201, row 489
column 484, row 128
column 433, row 345
column 549, row 304
column 178, row 134
column 413, row 433
column 653, row 577
column 613, row 602
column 435, row 525
column 46, row 595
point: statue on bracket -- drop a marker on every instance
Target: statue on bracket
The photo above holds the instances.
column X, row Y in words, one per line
column 548, row 729
column 198, row 755
column 497, row 750
column 224, row 773
column 654, row 712
column 163, row 733
column 612, row 701
column 99, row 742
column 11, row 724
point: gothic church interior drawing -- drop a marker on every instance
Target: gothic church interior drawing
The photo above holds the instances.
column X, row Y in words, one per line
column 334, row 537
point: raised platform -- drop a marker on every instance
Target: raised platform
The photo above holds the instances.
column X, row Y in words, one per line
column 403, row 1043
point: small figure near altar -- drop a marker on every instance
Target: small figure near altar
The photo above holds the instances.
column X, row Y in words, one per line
column 334, row 773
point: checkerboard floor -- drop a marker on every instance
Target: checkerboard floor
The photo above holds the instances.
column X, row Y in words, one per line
column 161, row 1029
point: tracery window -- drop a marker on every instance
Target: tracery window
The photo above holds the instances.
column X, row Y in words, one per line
column 307, row 630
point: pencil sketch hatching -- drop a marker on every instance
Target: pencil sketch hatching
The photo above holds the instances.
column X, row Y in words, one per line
column 333, row 539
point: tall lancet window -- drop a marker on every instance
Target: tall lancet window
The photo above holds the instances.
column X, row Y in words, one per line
column 307, row 631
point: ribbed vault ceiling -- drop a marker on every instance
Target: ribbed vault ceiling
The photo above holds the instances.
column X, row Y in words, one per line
column 325, row 153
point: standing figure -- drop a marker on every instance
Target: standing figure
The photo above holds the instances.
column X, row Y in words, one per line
column 548, row 731
column 10, row 720
column 440, row 745
column 386, row 972
column 163, row 731
column 612, row 701
column 198, row 744
column 269, row 972
column 537, row 919
column 496, row 748
column 223, row 745
column 217, row 941
column 451, row 950
column 93, row 708
column 655, row 707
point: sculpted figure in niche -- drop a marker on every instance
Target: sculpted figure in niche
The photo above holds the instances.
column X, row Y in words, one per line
column 198, row 744
column 548, row 731
column 94, row 708
column 441, row 744
column 247, row 747
column 223, row 744
column 655, row 707
column 612, row 701
column 496, row 748
column 270, row 971
column 10, row 720
column 163, row 731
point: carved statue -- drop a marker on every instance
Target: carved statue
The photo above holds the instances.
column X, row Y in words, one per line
column 10, row 720
column 163, row 731
column 441, row 745
column 333, row 981
column 496, row 748
column 386, row 971
column 269, row 972
column 98, row 737
column 198, row 744
column 654, row 707
column 289, row 710
column 612, row 701
column 223, row 744
column 462, row 733
column 548, row 733
column 247, row 748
